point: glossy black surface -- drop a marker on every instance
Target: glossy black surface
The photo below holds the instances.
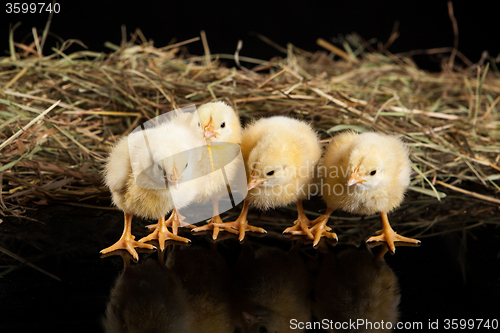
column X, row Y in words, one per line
column 444, row 278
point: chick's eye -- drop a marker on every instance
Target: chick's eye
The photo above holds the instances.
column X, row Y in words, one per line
column 199, row 125
column 270, row 173
column 186, row 165
column 373, row 173
column 223, row 125
column 159, row 167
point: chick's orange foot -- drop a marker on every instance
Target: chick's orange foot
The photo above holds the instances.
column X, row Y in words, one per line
column 175, row 221
column 387, row 234
column 127, row 241
column 390, row 236
column 128, row 244
column 320, row 229
column 241, row 223
column 241, row 226
column 213, row 225
column 301, row 225
column 162, row 234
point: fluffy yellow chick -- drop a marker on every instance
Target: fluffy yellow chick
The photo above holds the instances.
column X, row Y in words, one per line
column 355, row 285
column 219, row 122
column 280, row 155
column 222, row 131
column 150, row 178
column 364, row 174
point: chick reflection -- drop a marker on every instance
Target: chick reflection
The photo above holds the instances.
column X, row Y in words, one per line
column 147, row 297
column 356, row 285
column 273, row 288
column 187, row 295
column 229, row 287
column 205, row 276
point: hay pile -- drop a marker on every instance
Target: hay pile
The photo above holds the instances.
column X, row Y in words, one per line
column 450, row 119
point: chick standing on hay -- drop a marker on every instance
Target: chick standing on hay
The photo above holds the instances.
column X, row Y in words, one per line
column 365, row 173
column 221, row 126
column 149, row 173
column 280, row 155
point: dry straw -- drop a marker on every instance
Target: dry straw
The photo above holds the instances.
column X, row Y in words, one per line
column 61, row 113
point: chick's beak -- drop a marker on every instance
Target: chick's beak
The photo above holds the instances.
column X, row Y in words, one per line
column 175, row 178
column 209, row 130
column 355, row 178
column 254, row 182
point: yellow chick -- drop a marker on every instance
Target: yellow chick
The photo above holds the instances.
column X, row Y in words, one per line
column 355, row 285
column 280, row 155
column 150, row 178
column 364, row 174
column 222, row 131
column 147, row 297
column 219, row 122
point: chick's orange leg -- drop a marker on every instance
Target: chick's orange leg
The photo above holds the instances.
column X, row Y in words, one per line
column 301, row 225
column 126, row 241
column 241, row 223
column 387, row 234
column 320, row 229
column 162, row 234
column 214, row 222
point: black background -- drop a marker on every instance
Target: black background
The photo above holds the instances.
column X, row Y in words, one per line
column 421, row 24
